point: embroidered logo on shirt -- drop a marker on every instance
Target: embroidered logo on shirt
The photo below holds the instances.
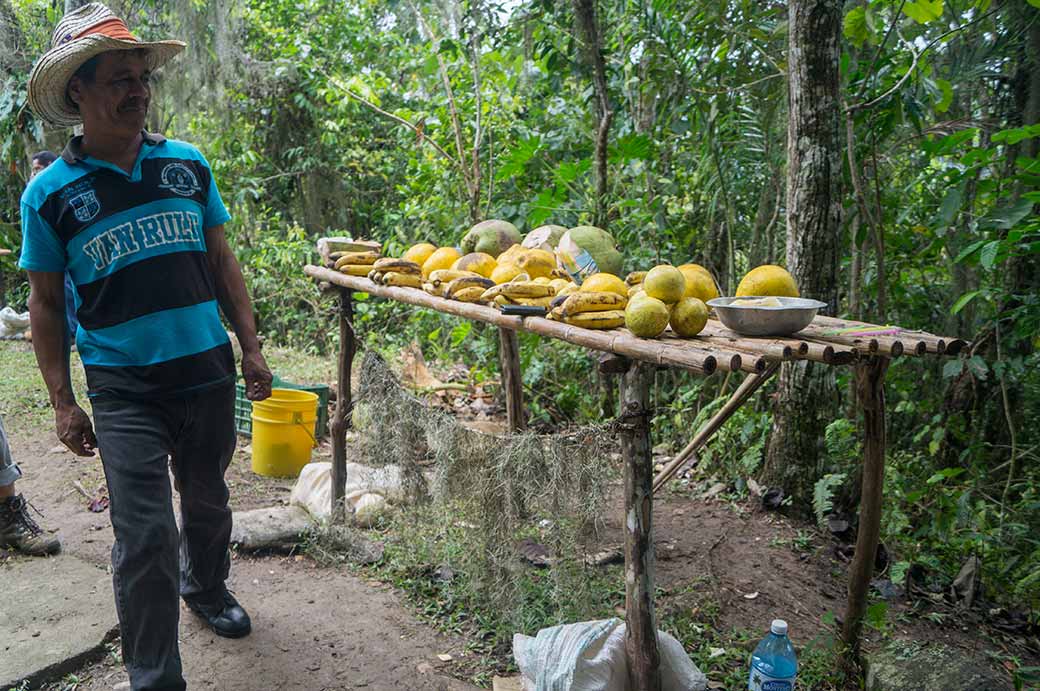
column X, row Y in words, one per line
column 85, row 206
column 179, row 179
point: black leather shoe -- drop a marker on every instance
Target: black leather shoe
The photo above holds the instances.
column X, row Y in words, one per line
column 222, row 612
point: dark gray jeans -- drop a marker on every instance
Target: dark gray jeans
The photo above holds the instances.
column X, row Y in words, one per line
column 195, row 436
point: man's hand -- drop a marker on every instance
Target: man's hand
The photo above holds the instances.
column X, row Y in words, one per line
column 257, row 375
column 74, row 429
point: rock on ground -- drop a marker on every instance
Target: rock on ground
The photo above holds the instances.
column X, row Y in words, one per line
column 902, row 665
column 55, row 614
column 276, row 527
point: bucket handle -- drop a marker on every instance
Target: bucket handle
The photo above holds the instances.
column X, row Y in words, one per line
column 297, row 418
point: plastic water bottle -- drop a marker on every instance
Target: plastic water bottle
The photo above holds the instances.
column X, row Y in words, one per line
column 773, row 664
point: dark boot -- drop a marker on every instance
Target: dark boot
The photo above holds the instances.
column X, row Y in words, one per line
column 19, row 531
column 222, row 612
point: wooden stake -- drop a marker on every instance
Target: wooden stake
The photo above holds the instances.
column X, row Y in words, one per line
column 644, row 661
column 341, row 420
column 749, row 386
column 870, row 390
column 512, row 381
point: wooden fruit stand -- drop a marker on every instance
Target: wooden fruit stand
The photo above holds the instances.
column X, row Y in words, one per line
column 831, row 342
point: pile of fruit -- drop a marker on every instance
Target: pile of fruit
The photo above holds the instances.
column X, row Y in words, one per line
column 573, row 274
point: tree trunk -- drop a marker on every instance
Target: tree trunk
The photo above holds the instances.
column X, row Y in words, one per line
column 588, row 26
column 806, row 391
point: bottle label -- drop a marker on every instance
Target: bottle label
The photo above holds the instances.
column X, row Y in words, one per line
column 764, row 682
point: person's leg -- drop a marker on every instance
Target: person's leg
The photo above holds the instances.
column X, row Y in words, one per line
column 18, row 530
column 135, row 440
column 202, row 452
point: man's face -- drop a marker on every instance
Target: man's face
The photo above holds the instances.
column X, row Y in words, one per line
column 116, row 101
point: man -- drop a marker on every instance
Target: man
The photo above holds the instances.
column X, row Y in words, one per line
column 138, row 222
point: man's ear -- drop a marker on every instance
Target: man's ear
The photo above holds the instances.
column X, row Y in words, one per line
column 74, row 91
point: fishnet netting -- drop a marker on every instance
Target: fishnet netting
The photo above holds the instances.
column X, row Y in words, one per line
column 552, row 488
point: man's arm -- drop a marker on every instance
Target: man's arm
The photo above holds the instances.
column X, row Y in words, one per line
column 234, row 301
column 50, row 333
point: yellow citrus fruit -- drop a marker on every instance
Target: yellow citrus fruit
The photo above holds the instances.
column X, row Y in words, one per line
column 666, row 283
column 477, row 262
column 768, row 280
column 440, row 259
column 536, row 262
column 419, row 253
column 646, row 317
column 510, row 255
column 689, row 317
column 504, row 273
column 604, row 283
column 699, row 282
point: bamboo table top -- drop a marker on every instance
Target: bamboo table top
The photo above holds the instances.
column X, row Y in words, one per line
column 827, row 340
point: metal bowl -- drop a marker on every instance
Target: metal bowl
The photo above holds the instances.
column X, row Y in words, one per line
column 794, row 314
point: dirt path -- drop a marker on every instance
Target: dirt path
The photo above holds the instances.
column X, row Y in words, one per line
column 314, row 628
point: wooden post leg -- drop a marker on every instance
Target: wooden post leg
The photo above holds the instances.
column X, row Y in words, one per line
column 644, row 662
column 870, row 390
column 341, row 420
column 512, row 381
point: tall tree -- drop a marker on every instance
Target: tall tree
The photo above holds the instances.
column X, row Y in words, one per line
column 587, row 22
column 813, row 231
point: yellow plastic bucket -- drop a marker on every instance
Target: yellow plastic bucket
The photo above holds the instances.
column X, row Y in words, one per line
column 283, row 432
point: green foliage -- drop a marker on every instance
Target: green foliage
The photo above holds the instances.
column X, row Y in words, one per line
column 823, row 495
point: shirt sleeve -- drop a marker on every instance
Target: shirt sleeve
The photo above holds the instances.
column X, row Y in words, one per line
column 41, row 248
column 216, row 213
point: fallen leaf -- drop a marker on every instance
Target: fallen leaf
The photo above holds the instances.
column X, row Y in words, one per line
column 444, row 657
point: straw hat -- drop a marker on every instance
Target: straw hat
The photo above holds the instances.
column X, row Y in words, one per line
column 80, row 35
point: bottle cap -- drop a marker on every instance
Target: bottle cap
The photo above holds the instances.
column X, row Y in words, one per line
column 779, row 627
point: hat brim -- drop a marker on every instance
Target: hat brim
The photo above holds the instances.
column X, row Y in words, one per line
column 51, row 74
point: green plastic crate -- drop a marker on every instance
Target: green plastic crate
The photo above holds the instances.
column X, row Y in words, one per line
column 244, row 407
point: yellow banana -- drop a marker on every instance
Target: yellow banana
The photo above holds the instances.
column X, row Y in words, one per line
column 393, row 278
column 375, row 276
column 526, row 289
column 357, row 258
column 568, row 289
column 635, row 278
column 579, row 303
column 611, row 319
column 444, row 276
column 402, row 266
column 355, row 269
column 501, row 300
column 467, row 282
column 431, row 289
column 545, row 302
column 471, row 294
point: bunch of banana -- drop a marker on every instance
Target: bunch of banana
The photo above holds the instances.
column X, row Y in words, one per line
column 439, row 279
column 356, row 263
column 609, row 319
column 401, row 266
column 396, row 278
column 467, row 288
column 581, row 303
column 515, row 291
column 635, row 278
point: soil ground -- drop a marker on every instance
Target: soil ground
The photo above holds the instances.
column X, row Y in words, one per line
column 318, row 628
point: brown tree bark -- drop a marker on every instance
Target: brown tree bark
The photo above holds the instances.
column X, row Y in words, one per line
column 587, row 23
column 806, row 390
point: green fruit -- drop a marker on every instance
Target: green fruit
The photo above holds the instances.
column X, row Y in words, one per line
column 545, row 237
column 586, row 250
column 646, row 317
column 689, row 317
column 490, row 237
column 666, row 283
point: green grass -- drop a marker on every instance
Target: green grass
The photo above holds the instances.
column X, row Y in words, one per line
column 23, row 395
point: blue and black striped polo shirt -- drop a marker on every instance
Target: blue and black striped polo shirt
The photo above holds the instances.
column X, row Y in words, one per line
column 135, row 247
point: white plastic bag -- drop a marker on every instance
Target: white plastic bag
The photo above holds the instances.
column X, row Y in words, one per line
column 313, row 489
column 12, row 323
column 590, row 656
